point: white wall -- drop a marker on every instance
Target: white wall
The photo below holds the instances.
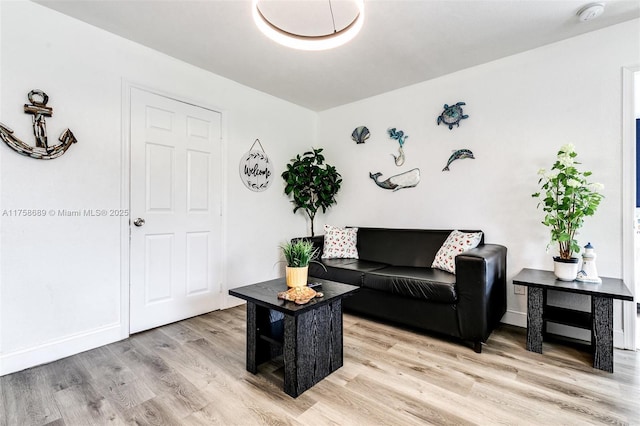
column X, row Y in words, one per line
column 60, row 279
column 521, row 110
column 636, row 99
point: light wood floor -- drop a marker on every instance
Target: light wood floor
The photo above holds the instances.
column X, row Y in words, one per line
column 193, row 373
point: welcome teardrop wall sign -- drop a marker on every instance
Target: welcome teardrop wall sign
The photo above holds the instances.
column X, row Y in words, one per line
column 256, row 171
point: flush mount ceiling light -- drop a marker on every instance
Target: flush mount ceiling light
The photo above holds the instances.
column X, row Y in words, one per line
column 309, row 24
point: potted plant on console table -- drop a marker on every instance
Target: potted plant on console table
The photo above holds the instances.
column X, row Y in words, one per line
column 566, row 197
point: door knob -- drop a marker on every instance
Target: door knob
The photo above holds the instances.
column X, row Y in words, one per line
column 138, row 222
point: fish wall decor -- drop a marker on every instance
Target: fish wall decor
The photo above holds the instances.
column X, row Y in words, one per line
column 400, row 137
column 360, row 134
column 403, row 180
column 458, row 155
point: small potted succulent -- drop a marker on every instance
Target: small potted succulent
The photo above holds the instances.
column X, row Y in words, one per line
column 567, row 197
column 298, row 254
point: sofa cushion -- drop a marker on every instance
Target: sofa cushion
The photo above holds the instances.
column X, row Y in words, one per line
column 348, row 271
column 354, row 264
column 340, row 243
column 456, row 243
column 419, row 283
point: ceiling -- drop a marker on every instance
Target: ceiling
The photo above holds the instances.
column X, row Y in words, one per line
column 403, row 42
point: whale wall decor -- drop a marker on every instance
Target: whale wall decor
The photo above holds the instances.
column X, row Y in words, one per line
column 403, row 180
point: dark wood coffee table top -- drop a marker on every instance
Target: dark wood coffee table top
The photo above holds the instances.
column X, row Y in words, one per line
column 266, row 294
column 610, row 287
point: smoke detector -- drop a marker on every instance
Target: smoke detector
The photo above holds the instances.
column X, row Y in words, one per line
column 590, row 12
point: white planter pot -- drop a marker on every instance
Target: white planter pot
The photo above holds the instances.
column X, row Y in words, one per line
column 565, row 269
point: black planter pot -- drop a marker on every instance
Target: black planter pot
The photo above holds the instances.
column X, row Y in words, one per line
column 561, row 260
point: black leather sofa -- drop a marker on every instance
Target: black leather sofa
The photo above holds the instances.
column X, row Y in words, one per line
column 398, row 284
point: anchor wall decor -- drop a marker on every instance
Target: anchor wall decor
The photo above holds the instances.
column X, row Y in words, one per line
column 42, row 151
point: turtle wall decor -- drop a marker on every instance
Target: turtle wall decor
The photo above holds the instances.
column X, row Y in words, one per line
column 452, row 115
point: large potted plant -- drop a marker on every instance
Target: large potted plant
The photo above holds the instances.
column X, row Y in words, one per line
column 312, row 183
column 567, row 197
column 298, row 254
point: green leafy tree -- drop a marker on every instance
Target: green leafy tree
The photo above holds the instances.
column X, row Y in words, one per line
column 567, row 197
column 312, row 183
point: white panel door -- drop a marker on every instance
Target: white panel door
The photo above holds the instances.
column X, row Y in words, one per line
column 175, row 263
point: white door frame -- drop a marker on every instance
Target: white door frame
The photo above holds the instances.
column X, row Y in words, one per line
column 629, row 202
column 125, row 193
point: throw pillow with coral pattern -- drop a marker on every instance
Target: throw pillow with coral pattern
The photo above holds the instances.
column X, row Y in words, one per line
column 456, row 243
column 340, row 243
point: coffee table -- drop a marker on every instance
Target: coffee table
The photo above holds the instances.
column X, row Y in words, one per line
column 599, row 320
column 308, row 336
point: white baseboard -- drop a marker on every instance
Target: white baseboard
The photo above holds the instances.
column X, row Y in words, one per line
column 519, row 319
column 231, row 302
column 58, row 349
column 618, row 339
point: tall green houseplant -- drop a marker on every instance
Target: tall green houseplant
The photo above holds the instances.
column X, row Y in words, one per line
column 312, row 183
column 567, row 197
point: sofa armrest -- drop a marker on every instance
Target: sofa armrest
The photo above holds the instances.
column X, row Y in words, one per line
column 481, row 286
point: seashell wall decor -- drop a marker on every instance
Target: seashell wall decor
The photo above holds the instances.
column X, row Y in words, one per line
column 360, row 134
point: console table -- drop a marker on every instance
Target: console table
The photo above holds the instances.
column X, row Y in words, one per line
column 599, row 320
column 308, row 336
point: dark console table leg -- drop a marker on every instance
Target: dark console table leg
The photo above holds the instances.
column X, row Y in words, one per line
column 602, row 333
column 535, row 306
column 312, row 347
column 252, row 338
